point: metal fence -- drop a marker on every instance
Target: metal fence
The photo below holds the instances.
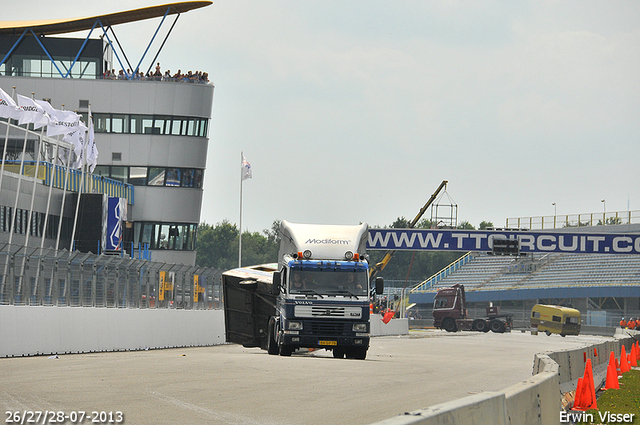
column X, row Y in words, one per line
column 36, row 276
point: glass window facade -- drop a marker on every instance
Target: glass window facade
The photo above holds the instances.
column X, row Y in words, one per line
column 153, row 176
column 150, row 124
column 170, row 236
column 35, row 228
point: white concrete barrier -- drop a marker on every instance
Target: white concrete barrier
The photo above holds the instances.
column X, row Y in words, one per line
column 487, row 408
column 533, row 401
column 394, row 327
column 36, row 330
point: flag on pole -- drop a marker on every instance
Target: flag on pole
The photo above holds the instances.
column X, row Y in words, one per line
column 32, row 112
column 63, row 122
column 92, row 156
column 246, row 169
column 76, row 138
column 8, row 107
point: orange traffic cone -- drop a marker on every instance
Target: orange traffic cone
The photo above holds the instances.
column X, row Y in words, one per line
column 577, row 400
column 612, row 374
column 633, row 357
column 624, row 362
column 586, row 392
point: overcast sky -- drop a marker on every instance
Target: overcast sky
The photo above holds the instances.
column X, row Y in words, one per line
column 355, row 111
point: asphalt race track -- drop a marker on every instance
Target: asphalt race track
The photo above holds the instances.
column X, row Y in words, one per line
column 229, row 384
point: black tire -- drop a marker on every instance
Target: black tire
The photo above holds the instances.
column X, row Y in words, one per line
column 338, row 353
column 285, row 350
column 496, row 326
column 548, row 333
column 358, row 353
column 480, row 325
column 272, row 344
column 449, row 325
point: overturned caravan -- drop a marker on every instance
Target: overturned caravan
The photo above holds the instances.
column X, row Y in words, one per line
column 317, row 296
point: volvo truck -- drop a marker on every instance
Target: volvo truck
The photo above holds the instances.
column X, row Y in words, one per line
column 317, row 296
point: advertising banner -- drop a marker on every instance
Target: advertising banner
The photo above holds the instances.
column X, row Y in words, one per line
column 479, row 240
column 116, row 215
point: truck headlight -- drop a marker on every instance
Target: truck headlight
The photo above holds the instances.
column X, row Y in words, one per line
column 295, row 325
column 359, row 327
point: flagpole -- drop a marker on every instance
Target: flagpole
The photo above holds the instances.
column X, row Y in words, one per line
column 240, row 230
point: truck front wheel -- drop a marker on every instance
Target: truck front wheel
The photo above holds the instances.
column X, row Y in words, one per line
column 358, row 353
column 285, row 350
column 449, row 325
column 272, row 344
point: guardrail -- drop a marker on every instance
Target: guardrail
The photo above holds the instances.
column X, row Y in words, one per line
column 534, row 401
column 46, row 277
column 574, row 220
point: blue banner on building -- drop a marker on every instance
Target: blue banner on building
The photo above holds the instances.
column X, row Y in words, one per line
column 478, row 240
column 116, row 214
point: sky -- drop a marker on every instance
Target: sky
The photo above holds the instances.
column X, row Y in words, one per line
column 355, row 111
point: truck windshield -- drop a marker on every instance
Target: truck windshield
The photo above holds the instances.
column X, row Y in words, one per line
column 328, row 282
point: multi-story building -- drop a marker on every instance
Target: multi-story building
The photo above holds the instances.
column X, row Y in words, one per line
column 151, row 133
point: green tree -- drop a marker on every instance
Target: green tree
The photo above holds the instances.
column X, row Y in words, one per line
column 484, row 225
column 218, row 245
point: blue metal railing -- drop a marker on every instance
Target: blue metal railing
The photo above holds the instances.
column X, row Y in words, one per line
column 93, row 183
column 443, row 273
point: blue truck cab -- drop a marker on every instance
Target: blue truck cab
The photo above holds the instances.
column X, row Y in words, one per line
column 317, row 296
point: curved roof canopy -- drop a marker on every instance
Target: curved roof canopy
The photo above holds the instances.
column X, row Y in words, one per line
column 62, row 26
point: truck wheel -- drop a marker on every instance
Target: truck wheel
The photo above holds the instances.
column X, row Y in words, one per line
column 272, row 345
column 358, row 353
column 480, row 325
column 496, row 326
column 449, row 325
column 338, row 353
column 285, row 350
column 548, row 333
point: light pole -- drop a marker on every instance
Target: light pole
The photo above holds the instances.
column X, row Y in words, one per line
column 555, row 214
column 604, row 212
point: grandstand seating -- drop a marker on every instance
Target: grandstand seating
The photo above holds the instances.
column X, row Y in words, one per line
column 488, row 272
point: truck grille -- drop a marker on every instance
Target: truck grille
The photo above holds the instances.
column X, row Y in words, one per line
column 328, row 311
column 330, row 328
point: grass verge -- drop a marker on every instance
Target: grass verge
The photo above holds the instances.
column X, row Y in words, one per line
column 626, row 400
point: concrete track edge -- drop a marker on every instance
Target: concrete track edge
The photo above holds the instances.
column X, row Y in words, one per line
column 534, row 401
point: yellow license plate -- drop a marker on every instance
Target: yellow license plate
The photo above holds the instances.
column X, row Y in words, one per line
column 327, row 342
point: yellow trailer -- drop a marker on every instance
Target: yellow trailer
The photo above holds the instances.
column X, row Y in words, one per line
column 555, row 319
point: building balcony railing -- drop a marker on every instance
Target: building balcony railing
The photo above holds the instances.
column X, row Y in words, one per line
column 58, row 176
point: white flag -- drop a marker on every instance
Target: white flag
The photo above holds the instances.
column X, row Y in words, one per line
column 246, row 169
column 32, row 112
column 76, row 138
column 8, row 107
column 92, row 156
column 63, row 122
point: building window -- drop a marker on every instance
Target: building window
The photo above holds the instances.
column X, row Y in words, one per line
column 156, row 176
column 138, row 176
column 153, row 176
column 166, row 236
column 150, row 124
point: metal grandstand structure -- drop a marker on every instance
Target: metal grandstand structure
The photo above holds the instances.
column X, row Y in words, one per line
column 594, row 282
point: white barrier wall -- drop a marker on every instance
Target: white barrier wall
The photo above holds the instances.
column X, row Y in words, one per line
column 394, row 327
column 35, row 330
column 534, row 401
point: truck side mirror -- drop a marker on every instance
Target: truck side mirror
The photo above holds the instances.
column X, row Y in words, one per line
column 275, row 287
column 379, row 285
